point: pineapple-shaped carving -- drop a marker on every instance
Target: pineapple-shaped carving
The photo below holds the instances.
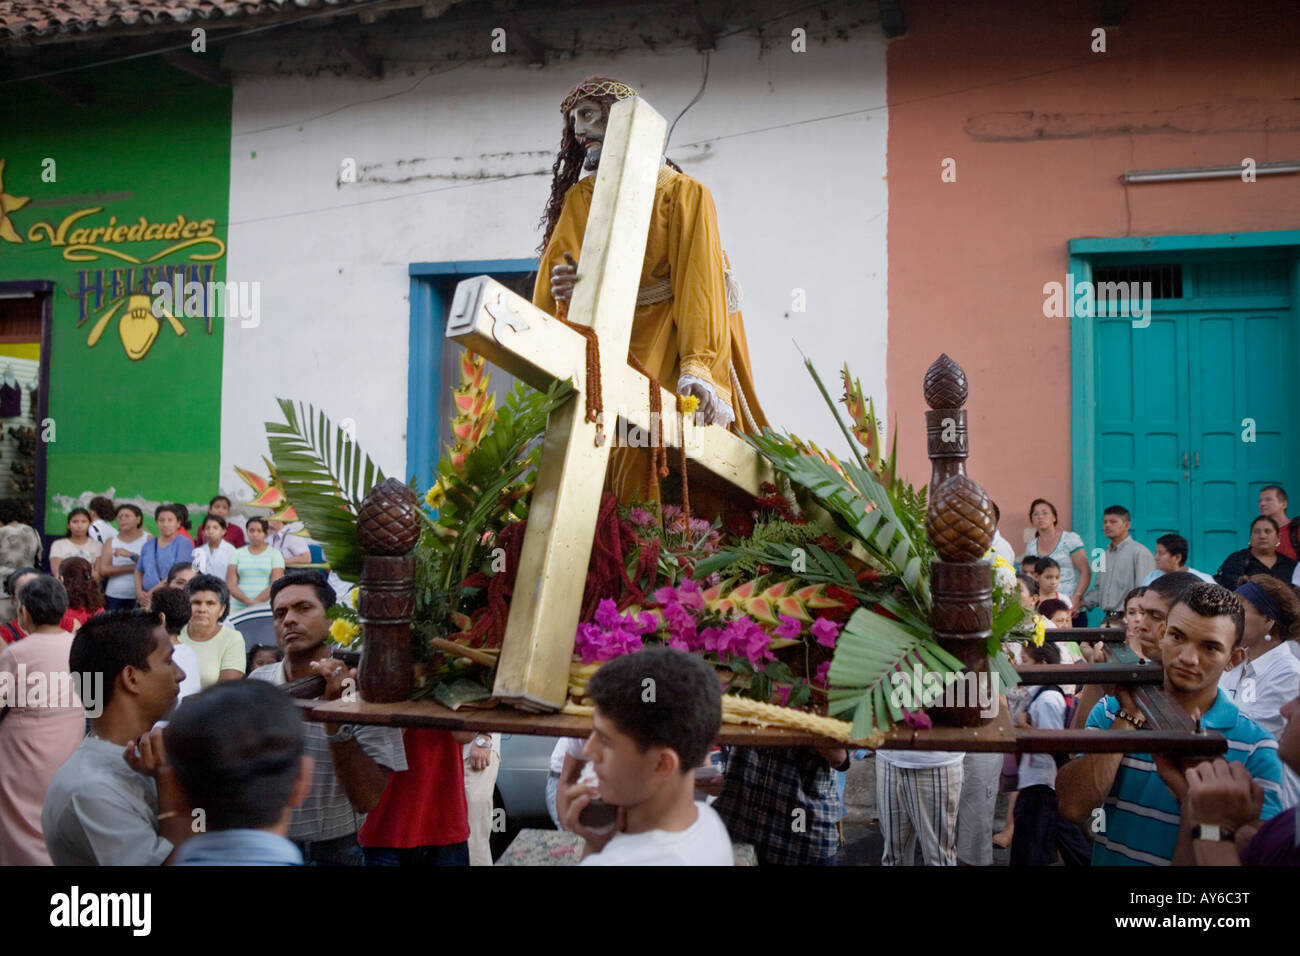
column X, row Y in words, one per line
column 959, row 520
column 389, row 522
column 945, row 384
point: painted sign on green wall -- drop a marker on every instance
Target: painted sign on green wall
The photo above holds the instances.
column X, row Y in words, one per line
column 110, row 202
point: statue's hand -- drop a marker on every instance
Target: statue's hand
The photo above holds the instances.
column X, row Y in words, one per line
column 563, row 276
column 707, row 413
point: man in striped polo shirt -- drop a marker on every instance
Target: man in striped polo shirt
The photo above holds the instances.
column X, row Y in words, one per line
column 1138, row 819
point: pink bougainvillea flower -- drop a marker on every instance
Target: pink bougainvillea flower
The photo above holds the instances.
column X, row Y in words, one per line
column 825, row 631
column 822, row 677
column 607, row 615
column 917, row 719
column 783, row 694
column 789, row 628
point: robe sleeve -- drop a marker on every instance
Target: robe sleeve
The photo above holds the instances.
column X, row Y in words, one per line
column 699, row 293
column 566, row 237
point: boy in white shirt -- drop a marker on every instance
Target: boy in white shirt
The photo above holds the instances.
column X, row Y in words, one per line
column 657, row 712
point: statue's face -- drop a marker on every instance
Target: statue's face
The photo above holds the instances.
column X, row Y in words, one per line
column 589, row 118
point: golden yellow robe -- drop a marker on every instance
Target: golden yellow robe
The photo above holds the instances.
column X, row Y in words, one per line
column 688, row 334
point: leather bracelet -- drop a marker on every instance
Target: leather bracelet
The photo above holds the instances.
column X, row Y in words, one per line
column 1138, row 722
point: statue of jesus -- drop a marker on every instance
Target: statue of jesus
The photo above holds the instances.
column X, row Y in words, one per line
column 685, row 331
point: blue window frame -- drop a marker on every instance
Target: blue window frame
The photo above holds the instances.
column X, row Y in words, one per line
column 432, row 286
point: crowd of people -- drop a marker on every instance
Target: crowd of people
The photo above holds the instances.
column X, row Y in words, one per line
column 139, row 769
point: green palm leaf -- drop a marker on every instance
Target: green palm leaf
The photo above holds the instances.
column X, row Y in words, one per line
column 325, row 476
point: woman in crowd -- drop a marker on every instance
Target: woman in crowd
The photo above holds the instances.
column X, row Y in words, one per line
column 213, row 554
column 1064, row 547
column 219, row 647
column 159, row 554
column 78, row 543
column 253, row 568
column 118, row 559
column 1270, row 677
column 14, row 630
column 20, row 546
column 84, row 595
column 1261, row 557
column 37, row 737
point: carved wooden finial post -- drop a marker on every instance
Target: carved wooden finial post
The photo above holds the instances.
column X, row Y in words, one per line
column 388, row 527
column 959, row 522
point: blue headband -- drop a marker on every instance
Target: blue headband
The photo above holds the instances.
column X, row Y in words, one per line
column 1257, row 596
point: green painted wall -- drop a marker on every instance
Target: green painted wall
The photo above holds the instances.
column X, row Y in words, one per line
column 154, row 145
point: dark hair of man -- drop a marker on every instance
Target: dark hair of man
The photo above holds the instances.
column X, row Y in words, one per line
column 1287, row 626
column 1030, row 583
column 1043, row 501
column 216, row 498
column 684, row 712
column 10, row 510
column 214, row 517
column 1049, row 653
column 182, row 514
column 1212, row 600
column 134, row 509
column 73, row 513
column 1118, row 510
column 103, row 507
column 1042, row 564
column 1052, row 606
column 1277, row 490
column 110, row 642
column 257, row 521
column 306, row 578
column 1137, row 592
column 174, row 509
column 1175, row 544
column 178, row 568
column 253, row 651
column 15, row 575
column 236, row 749
column 213, row 584
column 1269, row 518
column 84, row 593
column 174, row 605
column 1174, row 585
column 44, row 599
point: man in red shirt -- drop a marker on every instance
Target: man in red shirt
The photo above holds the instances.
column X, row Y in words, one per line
column 220, row 505
column 1272, row 504
column 422, row 818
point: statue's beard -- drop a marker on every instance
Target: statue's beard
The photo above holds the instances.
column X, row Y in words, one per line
column 592, row 159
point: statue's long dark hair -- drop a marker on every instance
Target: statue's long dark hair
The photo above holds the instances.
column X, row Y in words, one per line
column 566, row 171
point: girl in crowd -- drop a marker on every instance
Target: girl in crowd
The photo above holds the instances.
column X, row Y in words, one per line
column 253, row 568
column 159, row 554
column 259, row 655
column 1270, row 676
column 77, row 544
column 1064, row 547
column 84, row 595
column 118, row 559
column 219, row 647
column 1261, row 557
column 213, row 555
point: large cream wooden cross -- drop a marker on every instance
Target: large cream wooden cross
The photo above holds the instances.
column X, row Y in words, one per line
column 533, row 671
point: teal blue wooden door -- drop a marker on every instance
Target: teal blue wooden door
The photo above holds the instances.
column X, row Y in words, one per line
column 1242, row 423
column 1194, row 412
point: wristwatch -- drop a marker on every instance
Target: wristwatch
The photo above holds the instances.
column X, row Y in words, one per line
column 482, row 741
column 345, row 733
column 1209, row 831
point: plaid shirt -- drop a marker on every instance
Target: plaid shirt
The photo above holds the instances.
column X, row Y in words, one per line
column 763, row 790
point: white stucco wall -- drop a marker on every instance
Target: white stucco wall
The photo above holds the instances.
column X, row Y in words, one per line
column 802, row 205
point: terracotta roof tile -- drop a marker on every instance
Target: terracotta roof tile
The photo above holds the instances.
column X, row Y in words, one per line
column 36, row 19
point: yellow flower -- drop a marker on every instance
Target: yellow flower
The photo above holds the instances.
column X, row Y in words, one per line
column 343, row 631
column 352, row 598
column 1001, row 562
column 1040, row 630
column 689, row 403
column 436, row 495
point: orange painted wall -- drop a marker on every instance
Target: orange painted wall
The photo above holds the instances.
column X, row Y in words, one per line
column 1041, row 129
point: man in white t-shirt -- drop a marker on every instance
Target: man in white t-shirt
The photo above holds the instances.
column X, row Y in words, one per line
column 657, row 712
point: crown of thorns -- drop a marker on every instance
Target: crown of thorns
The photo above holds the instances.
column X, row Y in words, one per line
column 596, row 88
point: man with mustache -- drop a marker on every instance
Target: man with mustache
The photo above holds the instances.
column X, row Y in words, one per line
column 687, row 331
column 1122, row 798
